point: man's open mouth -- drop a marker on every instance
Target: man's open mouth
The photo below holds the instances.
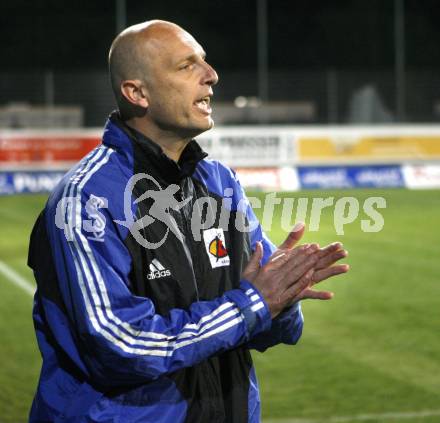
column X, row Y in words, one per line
column 203, row 104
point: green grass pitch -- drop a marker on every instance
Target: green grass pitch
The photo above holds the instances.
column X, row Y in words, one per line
column 373, row 349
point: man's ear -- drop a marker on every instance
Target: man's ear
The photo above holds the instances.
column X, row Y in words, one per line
column 135, row 93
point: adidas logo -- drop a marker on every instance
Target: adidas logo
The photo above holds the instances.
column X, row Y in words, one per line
column 157, row 270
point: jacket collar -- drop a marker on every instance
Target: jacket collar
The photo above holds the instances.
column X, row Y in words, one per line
column 148, row 154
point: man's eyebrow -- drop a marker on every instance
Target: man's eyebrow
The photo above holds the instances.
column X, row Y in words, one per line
column 193, row 57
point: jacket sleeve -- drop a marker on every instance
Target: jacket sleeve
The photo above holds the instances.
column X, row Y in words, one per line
column 286, row 327
column 123, row 339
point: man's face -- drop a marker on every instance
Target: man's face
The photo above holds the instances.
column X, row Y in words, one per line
column 179, row 85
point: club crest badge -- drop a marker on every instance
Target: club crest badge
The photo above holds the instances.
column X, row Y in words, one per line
column 215, row 245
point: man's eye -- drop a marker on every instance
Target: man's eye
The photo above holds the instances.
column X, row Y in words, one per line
column 188, row 66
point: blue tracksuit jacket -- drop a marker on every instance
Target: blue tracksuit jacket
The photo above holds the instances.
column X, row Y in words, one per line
column 143, row 316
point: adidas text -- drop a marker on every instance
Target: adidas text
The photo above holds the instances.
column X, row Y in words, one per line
column 158, row 274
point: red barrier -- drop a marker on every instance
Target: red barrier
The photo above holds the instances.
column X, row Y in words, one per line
column 45, row 148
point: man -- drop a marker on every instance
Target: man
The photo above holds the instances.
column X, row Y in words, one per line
column 148, row 318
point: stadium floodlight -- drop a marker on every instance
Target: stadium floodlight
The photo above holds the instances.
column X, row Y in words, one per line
column 240, row 102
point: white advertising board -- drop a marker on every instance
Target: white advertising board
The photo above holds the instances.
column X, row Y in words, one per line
column 250, row 146
column 269, row 179
column 423, row 176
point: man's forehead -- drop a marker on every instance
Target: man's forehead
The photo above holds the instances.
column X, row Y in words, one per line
column 190, row 42
column 174, row 44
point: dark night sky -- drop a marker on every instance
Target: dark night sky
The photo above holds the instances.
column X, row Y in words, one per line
column 46, row 34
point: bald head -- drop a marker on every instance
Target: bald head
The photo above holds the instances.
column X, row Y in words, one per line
column 162, row 81
column 134, row 50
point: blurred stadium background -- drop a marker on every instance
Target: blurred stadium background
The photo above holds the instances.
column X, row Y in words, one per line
column 315, row 100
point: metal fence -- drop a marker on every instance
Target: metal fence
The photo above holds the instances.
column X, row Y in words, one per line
column 335, row 96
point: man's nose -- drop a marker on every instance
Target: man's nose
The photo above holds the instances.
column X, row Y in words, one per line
column 210, row 76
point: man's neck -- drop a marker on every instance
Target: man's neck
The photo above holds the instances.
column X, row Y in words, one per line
column 171, row 144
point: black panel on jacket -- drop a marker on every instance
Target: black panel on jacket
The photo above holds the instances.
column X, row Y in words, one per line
column 217, row 388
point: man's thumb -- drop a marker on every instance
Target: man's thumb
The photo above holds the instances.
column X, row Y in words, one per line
column 294, row 236
column 254, row 263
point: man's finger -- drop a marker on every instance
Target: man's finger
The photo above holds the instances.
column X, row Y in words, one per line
column 311, row 294
column 294, row 275
column 291, row 293
column 331, row 248
column 281, row 258
column 330, row 259
column 299, row 255
column 328, row 272
column 294, row 236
